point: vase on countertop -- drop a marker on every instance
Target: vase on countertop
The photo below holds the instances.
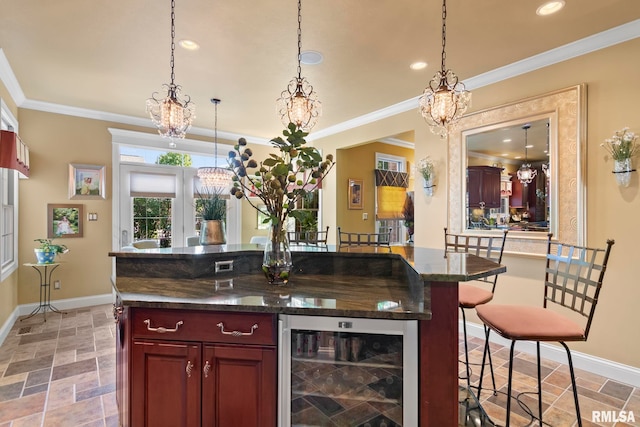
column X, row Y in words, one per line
column 276, row 261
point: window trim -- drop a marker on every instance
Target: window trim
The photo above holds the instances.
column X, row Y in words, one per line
column 12, row 124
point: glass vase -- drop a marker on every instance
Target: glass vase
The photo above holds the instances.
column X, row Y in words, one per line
column 276, row 262
column 622, row 170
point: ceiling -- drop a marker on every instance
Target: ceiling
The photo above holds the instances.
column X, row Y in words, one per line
column 111, row 56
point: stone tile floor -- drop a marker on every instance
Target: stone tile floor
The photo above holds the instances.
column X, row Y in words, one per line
column 62, row 373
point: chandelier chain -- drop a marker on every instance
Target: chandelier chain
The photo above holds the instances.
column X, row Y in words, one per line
column 173, row 40
column 299, row 38
column 444, row 33
column 215, row 129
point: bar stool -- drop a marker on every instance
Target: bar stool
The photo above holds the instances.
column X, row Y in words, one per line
column 487, row 246
column 573, row 279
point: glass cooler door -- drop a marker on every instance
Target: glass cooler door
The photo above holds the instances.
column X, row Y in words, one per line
column 348, row 372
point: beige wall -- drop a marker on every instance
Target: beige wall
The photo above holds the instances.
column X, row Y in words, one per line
column 57, row 140
column 358, row 163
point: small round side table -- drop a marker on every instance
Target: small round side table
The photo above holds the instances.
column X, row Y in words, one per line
column 44, row 271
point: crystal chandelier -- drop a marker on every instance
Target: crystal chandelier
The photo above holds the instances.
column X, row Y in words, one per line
column 215, row 178
column 298, row 103
column 171, row 115
column 526, row 173
column 445, row 99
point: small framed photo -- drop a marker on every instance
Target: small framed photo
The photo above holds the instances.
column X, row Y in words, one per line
column 86, row 181
column 355, row 194
column 64, row 221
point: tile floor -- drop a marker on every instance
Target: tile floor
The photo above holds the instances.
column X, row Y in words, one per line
column 62, row 373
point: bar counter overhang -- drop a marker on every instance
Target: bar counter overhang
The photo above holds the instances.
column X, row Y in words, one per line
column 406, row 283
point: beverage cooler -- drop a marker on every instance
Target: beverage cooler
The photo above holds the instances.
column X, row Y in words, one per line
column 347, row 371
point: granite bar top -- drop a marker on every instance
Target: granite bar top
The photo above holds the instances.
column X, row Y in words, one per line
column 354, row 282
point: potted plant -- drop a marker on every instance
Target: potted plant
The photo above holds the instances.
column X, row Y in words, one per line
column 46, row 253
column 280, row 181
column 212, row 206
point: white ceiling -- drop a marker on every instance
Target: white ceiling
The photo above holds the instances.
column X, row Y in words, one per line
column 110, row 56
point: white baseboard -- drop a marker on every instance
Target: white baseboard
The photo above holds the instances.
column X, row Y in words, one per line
column 616, row 371
column 62, row 304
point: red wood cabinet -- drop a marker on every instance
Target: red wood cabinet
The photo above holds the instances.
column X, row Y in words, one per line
column 483, row 186
column 190, row 368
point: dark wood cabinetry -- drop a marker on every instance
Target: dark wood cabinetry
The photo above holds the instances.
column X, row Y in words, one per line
column 483, row 186
column 185, row 368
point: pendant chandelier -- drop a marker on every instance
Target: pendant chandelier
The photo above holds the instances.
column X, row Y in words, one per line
column 526, row 173
column 171, row 115
column 445, row 99
column 298, row 103
column 215, row 178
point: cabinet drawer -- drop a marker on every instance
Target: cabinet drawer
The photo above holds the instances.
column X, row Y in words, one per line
column 207, row 326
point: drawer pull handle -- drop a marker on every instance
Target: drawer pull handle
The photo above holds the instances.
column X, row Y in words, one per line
column 189, row 368
column 206, row 369
column 162, row 329
column 237, row 333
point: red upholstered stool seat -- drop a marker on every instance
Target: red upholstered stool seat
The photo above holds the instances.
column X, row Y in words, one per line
column 471, row 296
column 524, row 323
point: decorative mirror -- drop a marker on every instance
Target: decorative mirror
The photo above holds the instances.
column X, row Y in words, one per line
column 532, row 184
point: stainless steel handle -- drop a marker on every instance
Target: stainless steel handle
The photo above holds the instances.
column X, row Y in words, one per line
column 189, row 368
column 206, row 369
column 345, row 325
column 162, row 329
column 237, row 333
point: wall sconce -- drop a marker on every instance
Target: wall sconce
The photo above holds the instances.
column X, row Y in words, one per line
column 622, row 147
column 14, row 154
column 428, row 172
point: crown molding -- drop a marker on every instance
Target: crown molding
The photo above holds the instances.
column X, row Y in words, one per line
column 613, row 36
column 398, row 142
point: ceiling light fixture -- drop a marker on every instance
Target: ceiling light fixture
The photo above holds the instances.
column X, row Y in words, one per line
column 420, row 65
column 298, row 103
column 550, row 7
column 445, row 99
column 526, row 174
column 188, row 44
column 215, row 178
column 171, row 115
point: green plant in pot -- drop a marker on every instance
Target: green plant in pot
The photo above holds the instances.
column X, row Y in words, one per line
column 46, row 253
column 212, row 206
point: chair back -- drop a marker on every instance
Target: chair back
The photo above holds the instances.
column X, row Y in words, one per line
column 314, row 238
column 573, row 277
column 490, row 247
column 346, row 238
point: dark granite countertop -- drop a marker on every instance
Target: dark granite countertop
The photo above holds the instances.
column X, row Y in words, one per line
column 353, row 282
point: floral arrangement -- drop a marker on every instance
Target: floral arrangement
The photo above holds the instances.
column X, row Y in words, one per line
column 622, row 145
column 426, row 168
column 47, row 245
column 282, row 179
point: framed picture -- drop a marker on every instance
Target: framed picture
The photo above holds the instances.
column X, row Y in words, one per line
column 355, row 194
column 86, row 181
column 64, row 221
column 262, row 217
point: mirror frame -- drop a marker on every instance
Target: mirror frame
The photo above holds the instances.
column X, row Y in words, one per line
column 566, row 110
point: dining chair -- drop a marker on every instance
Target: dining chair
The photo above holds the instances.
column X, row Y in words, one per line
column 347, row 238
column 312, row 238
column 469, row 296
column 572, row 282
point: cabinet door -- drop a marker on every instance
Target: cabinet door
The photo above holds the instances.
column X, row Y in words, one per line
column 491, row 187
column 123, row 333
column 239, row 386
column 474, row 183
column 165, row 384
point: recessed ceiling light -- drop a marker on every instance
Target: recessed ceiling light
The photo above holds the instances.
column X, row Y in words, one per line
column 311, row 57
column 517, row 157
column 550, row 7
column 506, row 140
column 420, row 65
column 189, row 44
column 528, row 146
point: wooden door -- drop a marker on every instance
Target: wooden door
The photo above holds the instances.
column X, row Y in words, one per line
column 239, row 386
column 165, row 384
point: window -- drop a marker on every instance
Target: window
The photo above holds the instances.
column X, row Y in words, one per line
column 152, row 219
column 388, row 162
column 9, row 205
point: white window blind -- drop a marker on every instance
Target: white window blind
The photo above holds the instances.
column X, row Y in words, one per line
column 145, row 184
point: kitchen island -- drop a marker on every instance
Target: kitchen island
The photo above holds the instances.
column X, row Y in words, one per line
column 191, row 315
